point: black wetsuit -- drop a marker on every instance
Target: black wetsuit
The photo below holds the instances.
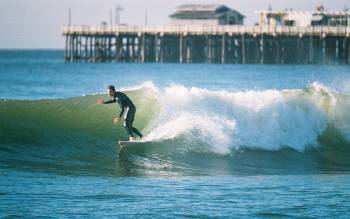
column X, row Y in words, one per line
column 126, row 104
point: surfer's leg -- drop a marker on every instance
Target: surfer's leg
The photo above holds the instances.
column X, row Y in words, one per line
column 128, row 129
column 131, row 117
column 137, row 132
column 128, row 121
column 128, row 126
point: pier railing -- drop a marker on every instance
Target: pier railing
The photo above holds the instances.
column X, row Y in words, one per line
column 207, row 30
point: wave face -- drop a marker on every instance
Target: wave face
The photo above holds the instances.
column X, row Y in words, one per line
column 188, row 131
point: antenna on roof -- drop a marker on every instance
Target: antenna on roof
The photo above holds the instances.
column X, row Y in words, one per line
column 270, row 8
column 320, row 8
column 69, row 17
column 146, row 18
column 110, row 17
column 118, row 9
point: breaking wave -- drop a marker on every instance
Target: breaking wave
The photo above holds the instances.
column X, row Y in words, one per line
column 187, row 131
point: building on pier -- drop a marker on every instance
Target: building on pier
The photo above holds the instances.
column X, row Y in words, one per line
column 319, row 17
column 214, row 34
column 192, row 14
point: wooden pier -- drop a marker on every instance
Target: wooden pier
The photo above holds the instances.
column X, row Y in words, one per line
column 208, row 44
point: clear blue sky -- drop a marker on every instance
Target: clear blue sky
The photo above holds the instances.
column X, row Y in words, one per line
column 37, row 23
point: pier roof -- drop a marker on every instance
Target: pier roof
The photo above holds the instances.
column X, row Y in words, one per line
column 202, row 11
column 328, row 13
column 199, row 7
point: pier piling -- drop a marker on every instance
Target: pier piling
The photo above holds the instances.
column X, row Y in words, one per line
column 209, row 44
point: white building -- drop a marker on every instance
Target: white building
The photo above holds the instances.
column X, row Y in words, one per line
column 193, row 14
column 303, row 18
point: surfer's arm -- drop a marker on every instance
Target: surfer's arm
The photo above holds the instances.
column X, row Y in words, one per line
column 116, row 119
column 122, row 106
column 121, row 113
column 109, row 101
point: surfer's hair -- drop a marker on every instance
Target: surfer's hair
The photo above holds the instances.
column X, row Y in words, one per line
column 111, row 87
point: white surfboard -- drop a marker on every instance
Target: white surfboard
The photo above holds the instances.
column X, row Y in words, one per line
column 126, row 143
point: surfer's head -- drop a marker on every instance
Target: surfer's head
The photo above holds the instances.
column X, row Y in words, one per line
column 111, row 90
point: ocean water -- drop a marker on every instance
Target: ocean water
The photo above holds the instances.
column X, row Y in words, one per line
column 221, row 141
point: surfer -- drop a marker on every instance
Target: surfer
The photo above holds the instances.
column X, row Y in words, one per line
column 126, row 105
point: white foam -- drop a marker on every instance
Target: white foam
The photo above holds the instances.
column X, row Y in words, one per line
column 149, row 85
column 269, row 119
column 214, row 130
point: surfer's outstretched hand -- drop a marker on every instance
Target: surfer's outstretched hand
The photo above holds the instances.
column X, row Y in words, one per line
column 116, row 120
column 99, row 101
